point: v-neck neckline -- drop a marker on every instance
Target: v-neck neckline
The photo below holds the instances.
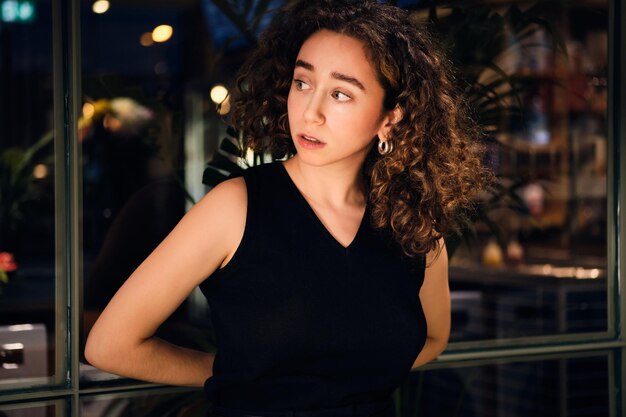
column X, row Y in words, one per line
column 307, row 207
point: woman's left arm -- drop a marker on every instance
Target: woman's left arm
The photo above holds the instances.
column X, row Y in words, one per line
column 435, row 298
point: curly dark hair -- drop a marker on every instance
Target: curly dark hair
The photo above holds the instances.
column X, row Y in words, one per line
column 435, row 169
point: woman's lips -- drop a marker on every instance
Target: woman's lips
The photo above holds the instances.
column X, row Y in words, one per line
column 310, row 142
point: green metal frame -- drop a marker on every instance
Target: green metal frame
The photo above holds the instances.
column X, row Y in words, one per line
column 617, row 198
column 67, row 99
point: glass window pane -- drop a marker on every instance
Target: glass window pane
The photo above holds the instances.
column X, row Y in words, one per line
column 35, row 409
column 27, row 188
column 574, row 386
column 145, row 403
column 137, row 181
column 536, row 264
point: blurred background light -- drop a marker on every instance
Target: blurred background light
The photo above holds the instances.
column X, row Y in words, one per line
column 160, row 68
column 88, row 110
column 224, row 107
column 40, row 171
column 162, row 33
column 100, row 6
column 17, row 11
column 218, row 93
column 146, row 39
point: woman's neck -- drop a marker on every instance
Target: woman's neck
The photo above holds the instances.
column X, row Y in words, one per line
column 330, row 185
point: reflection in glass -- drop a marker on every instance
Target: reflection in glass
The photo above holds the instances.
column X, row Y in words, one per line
column 131, row 136
column 538, row 388
column 145, row 404
column 536, row 263
column 27, row 215
column 39, row 409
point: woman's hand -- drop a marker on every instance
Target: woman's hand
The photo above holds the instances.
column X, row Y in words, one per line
column 435, row 298
column 122, row 341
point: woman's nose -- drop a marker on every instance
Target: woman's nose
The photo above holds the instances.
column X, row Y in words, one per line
column 313, row 112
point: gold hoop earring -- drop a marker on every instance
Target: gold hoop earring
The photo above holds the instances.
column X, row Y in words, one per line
column 385, row 147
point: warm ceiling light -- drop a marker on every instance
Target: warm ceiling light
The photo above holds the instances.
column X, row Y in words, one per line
column 100, row 6
column 162, row 33
column 218, row 93
column 146, row 39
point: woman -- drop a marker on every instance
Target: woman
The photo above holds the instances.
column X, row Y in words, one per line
column 326, row 273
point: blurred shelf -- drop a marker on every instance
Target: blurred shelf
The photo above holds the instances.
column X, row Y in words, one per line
column 526, row 274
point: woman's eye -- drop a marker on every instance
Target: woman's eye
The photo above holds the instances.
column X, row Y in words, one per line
column 301, row 85
column 338, row 95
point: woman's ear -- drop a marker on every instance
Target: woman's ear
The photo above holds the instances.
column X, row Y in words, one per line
column 391, row 118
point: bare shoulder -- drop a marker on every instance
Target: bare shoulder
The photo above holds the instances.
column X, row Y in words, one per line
column 236, row 187
column 231, row 192
column 224, row 208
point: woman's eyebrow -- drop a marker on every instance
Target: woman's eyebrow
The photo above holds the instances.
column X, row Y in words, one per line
column 305, row 65
column 337, row 75
column 348, row 79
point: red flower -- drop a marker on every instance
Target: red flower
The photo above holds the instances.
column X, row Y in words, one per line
column 7, row 262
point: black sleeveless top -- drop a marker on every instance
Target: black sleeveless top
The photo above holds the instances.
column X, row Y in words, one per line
column 302, row 322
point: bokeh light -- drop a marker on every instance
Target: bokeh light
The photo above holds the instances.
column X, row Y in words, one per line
column 146, row 39
column 88, row 110
column 224, row 107
column 40, row 171
column 218, row 93
column 162, row 33
column 100, row 6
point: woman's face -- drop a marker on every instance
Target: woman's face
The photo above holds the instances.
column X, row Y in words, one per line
column 335, row 104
